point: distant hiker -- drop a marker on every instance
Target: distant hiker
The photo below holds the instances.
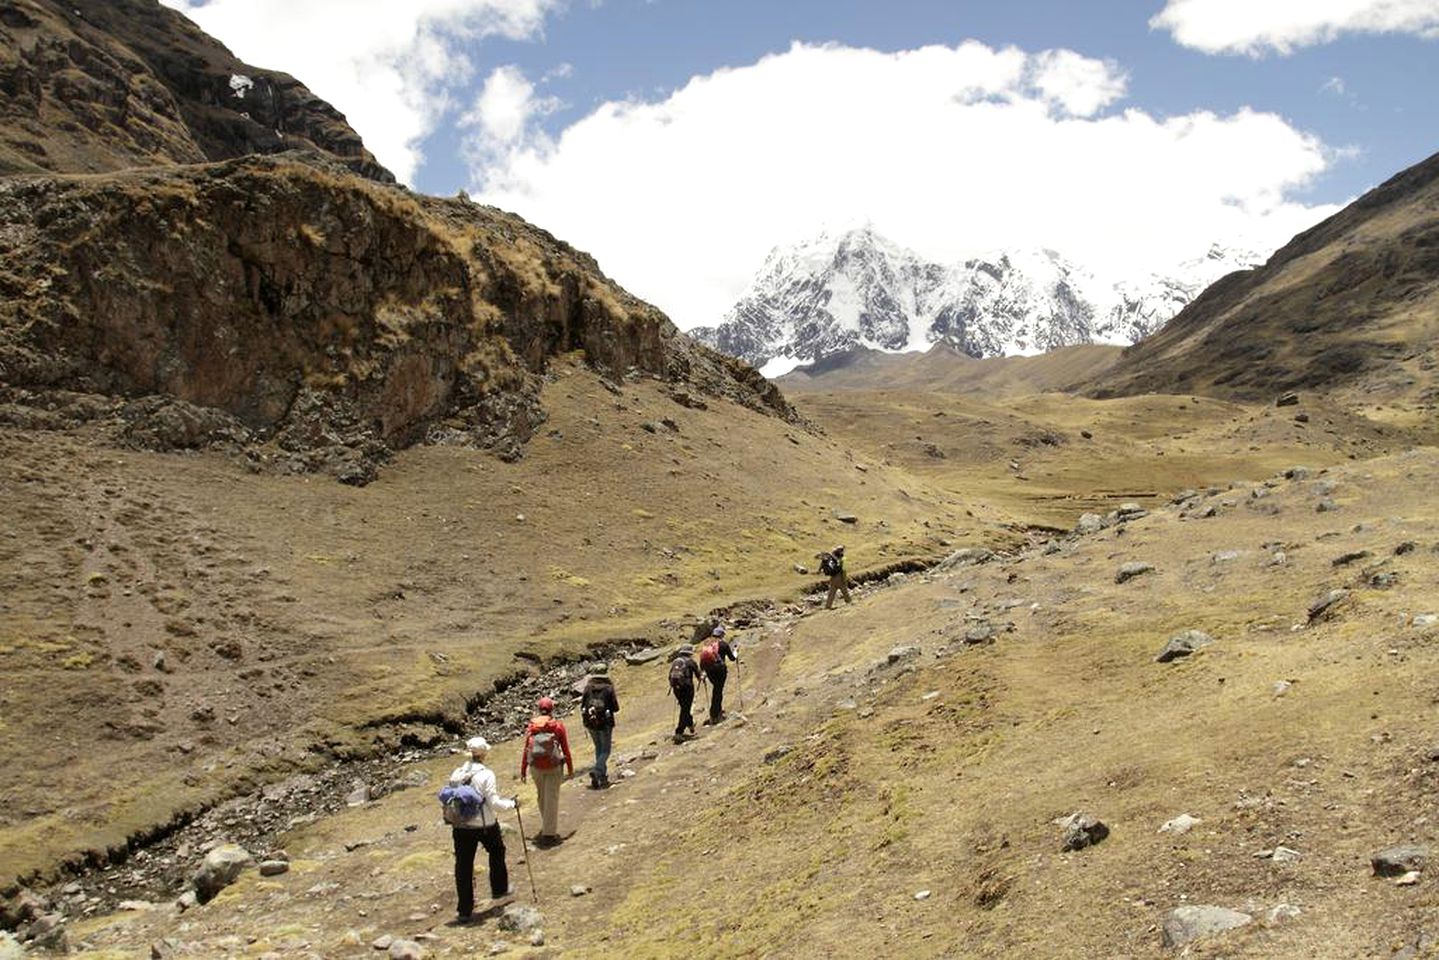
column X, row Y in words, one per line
column 683, row 674
column 832, row 565
column 547, row 754
column 471, row 802
column 598, row 706
column 712, row 661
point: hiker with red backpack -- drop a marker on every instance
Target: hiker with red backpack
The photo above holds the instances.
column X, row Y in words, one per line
column 712, row 661
column 683, row 674
column 547, row 755
column 598, row 706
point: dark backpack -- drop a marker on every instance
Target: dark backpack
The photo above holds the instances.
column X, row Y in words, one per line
column 829, row 564
column 594, row 709
column 680, row 673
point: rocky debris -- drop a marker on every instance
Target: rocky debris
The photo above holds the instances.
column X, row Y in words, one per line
column 1423, row 944
column 521, row 918
column 638, row 658
column 1425, row 620
column 1407, row 547
column 1225, row 556
column 778, row 753
column 382, row 942
column 1399, row 860
column 10, row 948
column 1297, row 473
column 1287, row 399
column 1082, row 830
column 1325, row 505
column 1383, row 580
column 844, row 516
column 579, row 889
column 1194, row 922
column 44, row 932
column 1182, row 645
column 982, row 632
column 24, row 907
column 1131, row 570
column 1344, row 559
column 221, row 867
column 1180, row 825
column 964, row 557
column 1130, row 511
column 922, row 894
column 1089, row 524
column 1282, row 913
column 902, row 654
column 406, row 950
column 273, row 868
column 1326, row 605
column 359, row 794
column 1281, row 688
column 1409, row 879
column 650, row 426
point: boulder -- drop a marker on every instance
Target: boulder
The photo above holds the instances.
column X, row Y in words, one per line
column 1287, row 399
column 221, row 867
column 898, row 654
column 1324, row 607
column 1089, row 524
column 1082, row 830
column 273, row 868
column 1131, row 511
column 406, row 950
column 1194, row 922
column 521, row 918
column 1397, row 861
column 1181, row 824
column 1131, row 570
column 1183, row 644
column 966, row 556
column 844, row 516
column 639, row 657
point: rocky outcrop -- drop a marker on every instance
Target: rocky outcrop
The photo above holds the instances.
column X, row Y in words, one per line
column 103, row 85
column 329, row 319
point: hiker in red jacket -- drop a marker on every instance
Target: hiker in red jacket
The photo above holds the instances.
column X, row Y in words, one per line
column 547, row 753
column 712, row 661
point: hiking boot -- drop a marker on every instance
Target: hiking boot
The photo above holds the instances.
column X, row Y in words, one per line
column 594, row 780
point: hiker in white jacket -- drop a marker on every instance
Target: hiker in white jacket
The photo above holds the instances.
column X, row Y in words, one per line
column 482, row 828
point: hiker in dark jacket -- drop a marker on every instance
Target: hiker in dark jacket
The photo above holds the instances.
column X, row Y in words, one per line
column 547, row 757
column 712, row 661
column 683, row 674
column 832, row 565
column 598, row 706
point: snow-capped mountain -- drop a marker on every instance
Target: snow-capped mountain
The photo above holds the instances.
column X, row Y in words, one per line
column 836, row 292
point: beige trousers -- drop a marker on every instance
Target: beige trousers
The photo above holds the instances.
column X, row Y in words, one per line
column 837, row 584
column 547, row 794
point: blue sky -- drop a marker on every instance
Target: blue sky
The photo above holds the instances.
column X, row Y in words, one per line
column 680, row 140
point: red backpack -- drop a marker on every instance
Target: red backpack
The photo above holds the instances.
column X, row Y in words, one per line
column 709, row 654
column 545, row 750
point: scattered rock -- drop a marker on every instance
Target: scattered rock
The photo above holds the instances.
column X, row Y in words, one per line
column 1089, row 524
column 801, row 569
column 1345, row 559
column 922, row 895
column 273, row 868
column 1183, row 645
column 537, row 938
column 10, row 948
column 1287, row 399
column 1384, row 580
column 1285, row 855
column 1422, row 945
column 406, row 950
column 1282, row 913
column 1281, row 687
column 844, row 516
column 1180, row 825
column 899, row 654
column 186, row 900
column 1131, row 570
column 1397, row 861
column 1324, row 607
column 1193, row 922
column 521, row 918
column 982, row 632
column 1408, row 546
column 221, row 867
column 1297, row 473
column 641, row 657
column 1131, row 511
column 1082, row 830
column 777, row 753
column 579, row 890
column 1408, row 880
column 1226, row 556
column 1325, row 505
column 649, row 426
column 1425, row 619
column 499, row 947
column 359, row 794
column 383, row 942
column 966, row 556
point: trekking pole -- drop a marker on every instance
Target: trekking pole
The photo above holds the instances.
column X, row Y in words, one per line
column 739, row 683
column 526, row 848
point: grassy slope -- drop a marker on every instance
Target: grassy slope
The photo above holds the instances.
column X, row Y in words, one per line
column 951, row 783
column 308, row 614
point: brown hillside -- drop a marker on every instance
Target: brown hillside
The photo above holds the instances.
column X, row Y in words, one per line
column 944, row 368
column 1353, row 301
column 308, row 316
column 98, row 85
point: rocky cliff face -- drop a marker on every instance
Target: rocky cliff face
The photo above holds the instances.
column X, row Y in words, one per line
column 311, row 318
column 100, row 85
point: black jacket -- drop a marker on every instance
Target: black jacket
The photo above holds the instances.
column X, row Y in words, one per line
column 601, row 692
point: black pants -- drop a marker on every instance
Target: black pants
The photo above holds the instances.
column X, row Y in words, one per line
column 685, row 694
column 716, row 676
column 466, row 840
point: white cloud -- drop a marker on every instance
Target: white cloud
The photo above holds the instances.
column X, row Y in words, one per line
column 505, row 116
column 1282, row 26
column 951, row 151
column 1334, row 85
column 391, row 68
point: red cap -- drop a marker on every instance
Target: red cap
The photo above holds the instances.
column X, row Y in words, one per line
column 546, row 705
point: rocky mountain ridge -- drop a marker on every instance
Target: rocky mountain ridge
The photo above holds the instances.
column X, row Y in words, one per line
column 858, row 288
column 100, row 85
